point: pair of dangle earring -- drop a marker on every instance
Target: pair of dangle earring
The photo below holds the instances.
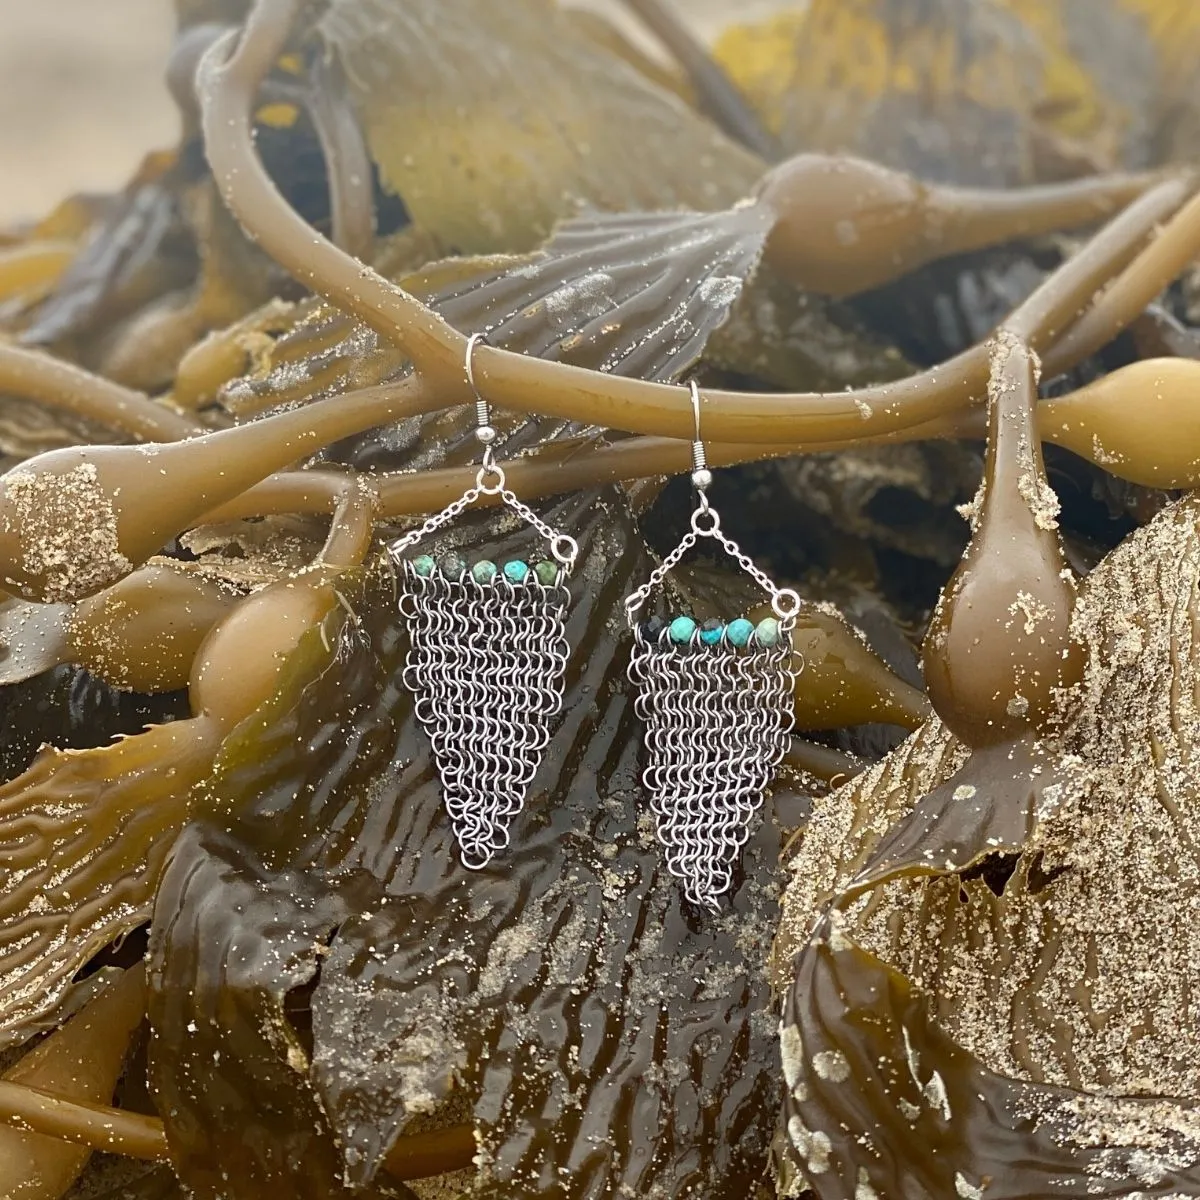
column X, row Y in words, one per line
column 717, row 703
column 487, row 659
column 487, row 656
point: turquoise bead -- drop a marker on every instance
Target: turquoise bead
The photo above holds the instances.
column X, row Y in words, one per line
column 423, row 565
column 453, row 565
column 547, row 572
column 739, row 632
column 515, row 571
column 767, row 632
column 483, row 571
column 711, row 630
column 681, row 630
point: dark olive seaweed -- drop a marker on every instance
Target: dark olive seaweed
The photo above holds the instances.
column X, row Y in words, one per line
column 564, row 1001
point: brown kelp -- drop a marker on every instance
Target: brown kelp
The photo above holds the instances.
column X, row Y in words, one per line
column 335, row 1005
column 1003, row 974
column 537, row 1001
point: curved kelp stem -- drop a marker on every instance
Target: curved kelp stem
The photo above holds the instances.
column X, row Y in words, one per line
column 1110, row 422
column 521, row 384
column 353, row 525
column 1126, row 297
column 347, row 162
column 226, row 85
column 50, row 381
column 118, row 505
column 74, row 521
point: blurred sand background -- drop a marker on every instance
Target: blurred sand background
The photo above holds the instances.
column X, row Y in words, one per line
column 82, row 98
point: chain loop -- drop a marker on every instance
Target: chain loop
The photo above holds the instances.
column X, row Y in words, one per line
column 785, row 602
column 635, row 600
column 565, row 550
column 434, row 523
column 492, row 470
column 490, row 480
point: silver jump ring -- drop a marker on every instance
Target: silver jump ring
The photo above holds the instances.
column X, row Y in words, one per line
column 486, row 488
column 565, row 549
column 713, row 524
column 490, row 469
column 787, row 603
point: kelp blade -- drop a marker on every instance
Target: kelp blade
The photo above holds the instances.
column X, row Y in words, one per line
column 598, row 1035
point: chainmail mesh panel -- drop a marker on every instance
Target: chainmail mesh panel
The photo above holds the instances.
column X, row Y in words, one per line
column 718, row 720
column 485, row 664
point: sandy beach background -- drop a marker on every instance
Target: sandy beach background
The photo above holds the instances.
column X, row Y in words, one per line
column 82, row 98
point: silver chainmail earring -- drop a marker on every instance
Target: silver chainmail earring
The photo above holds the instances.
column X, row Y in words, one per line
column 486, row 659
column 716, row 699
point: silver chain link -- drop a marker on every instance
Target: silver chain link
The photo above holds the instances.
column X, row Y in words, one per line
column 784, row 601
column 563, row 547
column 486, row 664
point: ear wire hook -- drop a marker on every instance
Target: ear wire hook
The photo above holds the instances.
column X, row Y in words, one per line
column 701, row 475
column 485, row 432
column 483, row 410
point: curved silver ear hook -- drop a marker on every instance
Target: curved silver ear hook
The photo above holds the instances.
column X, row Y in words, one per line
column 701, row 475
column 483, row 410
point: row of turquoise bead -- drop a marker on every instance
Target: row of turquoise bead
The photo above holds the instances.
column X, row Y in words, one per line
column 737, row 633
column 454, row 566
